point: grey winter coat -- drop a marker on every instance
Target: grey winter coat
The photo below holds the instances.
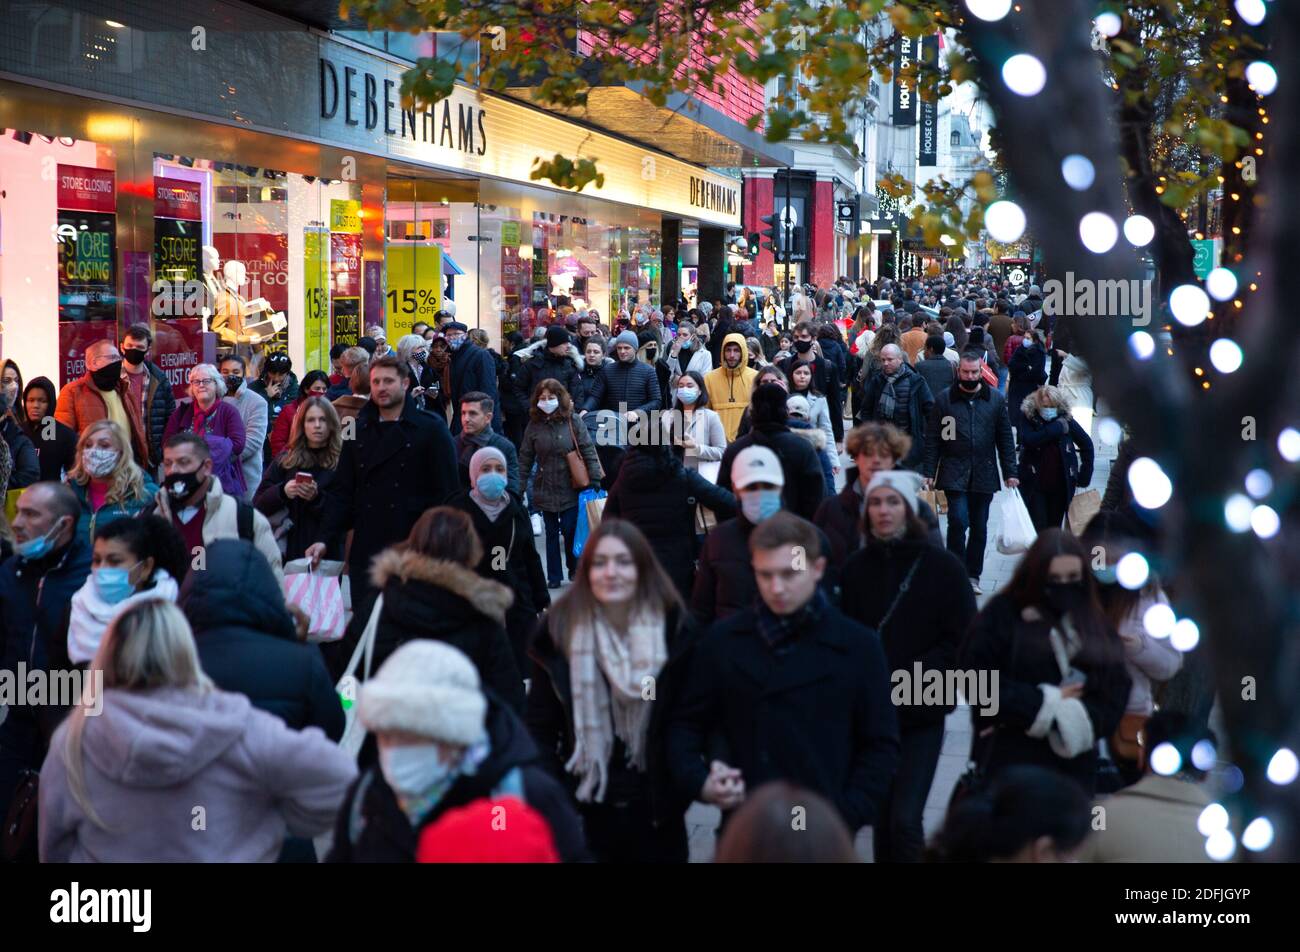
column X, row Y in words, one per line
column 253, row 410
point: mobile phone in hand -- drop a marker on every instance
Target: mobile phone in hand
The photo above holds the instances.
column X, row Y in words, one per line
column 304, row 478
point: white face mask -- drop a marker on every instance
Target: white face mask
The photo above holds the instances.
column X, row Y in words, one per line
column 548, row 406
column 415, row 769
column 99, row 462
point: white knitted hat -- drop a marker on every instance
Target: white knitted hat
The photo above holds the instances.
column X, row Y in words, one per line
column 427, row 688
column 902, row 481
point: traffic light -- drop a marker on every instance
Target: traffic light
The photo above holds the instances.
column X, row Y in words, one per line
column 753, row 244
column 770, row 235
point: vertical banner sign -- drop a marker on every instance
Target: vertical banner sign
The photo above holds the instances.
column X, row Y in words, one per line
column 929, row 111
column 904, row 87
column 344, row 274
column 541, row 266
column 414, row 287
column 87, row 237
column 177, row 234
column 316, row 330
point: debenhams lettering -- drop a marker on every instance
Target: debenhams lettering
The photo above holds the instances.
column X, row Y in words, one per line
column 712, row 197
column 453, row 126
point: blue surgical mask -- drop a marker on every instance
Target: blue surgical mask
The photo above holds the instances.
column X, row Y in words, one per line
column 685, row 395
column 457, row 343
column 760, row 504
column 548, row 406
column 414, row 770
column 39, row 547
column 491, row 485
column 113, row 584
column 1047, row 413
column 686, row 343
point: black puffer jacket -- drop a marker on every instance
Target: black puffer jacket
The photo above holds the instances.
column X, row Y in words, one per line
column 805, row 486
column 929, row 620
column 622, row 387
column 25, row 463
column 307, row 516
column 376, row 830
column 247, row 642
column 550, row 714
column 443, row 601
column 658, row 495
column 586, row 382
column 511, row 558
column 540, row 364
column 981, row 439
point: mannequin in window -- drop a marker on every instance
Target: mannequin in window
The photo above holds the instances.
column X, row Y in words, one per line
column 232, row 308
column 211, row 283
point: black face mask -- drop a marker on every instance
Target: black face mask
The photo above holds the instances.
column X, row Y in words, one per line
column 803, row 346
column 181, row 486
column 650, row 354
column 969, row 386
column 233, row 384
column 134, row 357
column 1064, row 597
column 106, row 377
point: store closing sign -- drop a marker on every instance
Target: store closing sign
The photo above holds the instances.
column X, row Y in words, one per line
column 86, row 235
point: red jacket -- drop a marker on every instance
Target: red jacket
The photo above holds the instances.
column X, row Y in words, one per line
column 283, row 428
column 81, row 404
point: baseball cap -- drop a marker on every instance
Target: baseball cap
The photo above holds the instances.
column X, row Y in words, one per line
column 756, row 464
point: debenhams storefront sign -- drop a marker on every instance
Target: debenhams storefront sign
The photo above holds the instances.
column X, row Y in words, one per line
column 492, row 136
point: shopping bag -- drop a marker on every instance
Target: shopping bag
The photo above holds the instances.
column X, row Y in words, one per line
column 705, row 519
column 317, row 593
column 354, row 732
column 935, row 499
column 1083, row 507
column 591, row 505
column 1017, row 532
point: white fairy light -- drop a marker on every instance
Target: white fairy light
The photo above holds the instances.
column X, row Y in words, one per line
column 1024, row 75
column 1005, row 221
column 1237, row 511
column 1142, row 344
column 1265, row 521
column 1221, row 283
column 1288, row 444
column 1203, row 754
column 1139, row 230
column 1185, row 635
column 1226, row 355
column 1212, row 819
column 1258, row 835
column 1261, row 76
column 1132, row 571
column 1078, row 172
column 990, row 10
column 1159, row 620
column 1259, row 483
column 1283, row 767
column 1189, row 304
column 1151, row 487
column 1220, row 845
column 1252, row 11
column 1098, row 232
column 1111, row 432
column 1108, row 24
column 1165, row 760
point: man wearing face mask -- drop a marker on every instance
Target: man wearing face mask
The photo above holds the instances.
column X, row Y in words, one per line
column 102, row 394
column 443, row 742
column 552, row 358
column 149, row 388
column 627, row 386
column 255, row 413
column 724, row 582
column 51, row 562
column 650, row 352
column 472, row 371
column 194, row 503
column 978, row 437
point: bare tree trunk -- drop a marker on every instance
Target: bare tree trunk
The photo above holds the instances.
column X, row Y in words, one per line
column 1233, row 585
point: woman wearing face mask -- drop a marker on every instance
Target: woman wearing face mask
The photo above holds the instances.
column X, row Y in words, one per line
column 1056, row 457
column 11, row 382
column 915, row 596
column 218, row 422
column 692, row 425
column 55, row 456
column 1026, row 372
column 1062, row 683
column 686, row 355
column 1149, row 661
column 593, row 359
column 431, row 590
column 106, row 479
column 437, row 392
column 297, row 482
column 801, row 384
column 552, row 434
column 619, row 631
column 443, row 743
column 413, row 351
column 132, row 560
column 509, row 555
column 316, row 383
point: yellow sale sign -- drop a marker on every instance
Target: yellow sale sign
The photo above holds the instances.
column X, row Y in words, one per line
column 414, row 283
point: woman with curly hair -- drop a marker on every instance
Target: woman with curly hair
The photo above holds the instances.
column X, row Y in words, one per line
column 107, row 481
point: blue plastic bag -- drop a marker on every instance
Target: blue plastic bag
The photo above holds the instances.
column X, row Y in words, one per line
column 584, row 527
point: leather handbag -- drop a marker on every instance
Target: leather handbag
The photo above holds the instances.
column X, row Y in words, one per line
column 1128, row 743
column 577, row 465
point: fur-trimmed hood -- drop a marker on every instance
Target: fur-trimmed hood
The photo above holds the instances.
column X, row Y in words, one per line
column 813, row 434
column 484, row 595
column 540, row 346
column 1029, row 407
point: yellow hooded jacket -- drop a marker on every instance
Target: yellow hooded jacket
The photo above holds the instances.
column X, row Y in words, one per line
column 729, row 390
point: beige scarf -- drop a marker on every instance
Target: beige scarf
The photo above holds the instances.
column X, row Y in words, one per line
column 610, row 673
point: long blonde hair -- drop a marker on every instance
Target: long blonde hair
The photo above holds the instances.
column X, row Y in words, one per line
column 298, row 454
column 149, row 645
column 126, row 481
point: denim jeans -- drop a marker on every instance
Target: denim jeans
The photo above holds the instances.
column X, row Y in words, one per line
column 1002, row 378
column 898, row 834
column 556, row 523
column 968, row 511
